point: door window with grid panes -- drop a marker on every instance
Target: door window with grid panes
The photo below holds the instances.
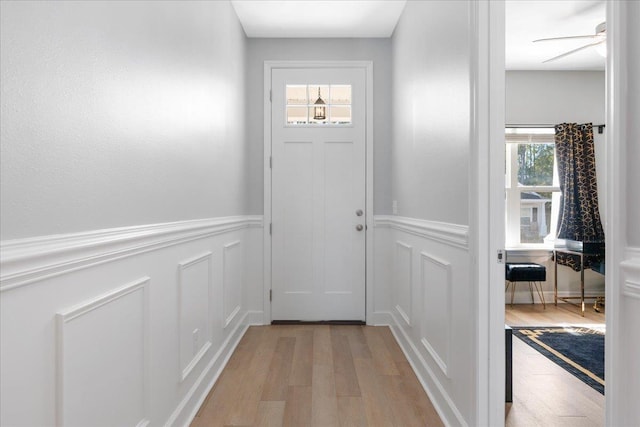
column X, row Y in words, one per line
column 318, row 104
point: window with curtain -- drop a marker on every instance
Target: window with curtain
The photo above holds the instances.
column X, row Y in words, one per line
column 532, row 187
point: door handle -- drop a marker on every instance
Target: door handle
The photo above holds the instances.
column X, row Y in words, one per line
column 359, row 227
column 359, row 212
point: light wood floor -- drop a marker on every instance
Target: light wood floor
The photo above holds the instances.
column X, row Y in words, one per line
column 317, row 376
column 544, row 394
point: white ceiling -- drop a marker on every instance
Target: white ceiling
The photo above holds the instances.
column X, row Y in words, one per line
column 530, row 20
column 525, row 21
column 318, row 18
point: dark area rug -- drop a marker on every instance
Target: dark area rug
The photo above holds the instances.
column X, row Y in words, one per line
column 578, row 350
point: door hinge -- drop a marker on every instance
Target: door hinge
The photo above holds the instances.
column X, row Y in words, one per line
column 270, row 95
column 270, row 228
column 270, row 162
column 270, row 295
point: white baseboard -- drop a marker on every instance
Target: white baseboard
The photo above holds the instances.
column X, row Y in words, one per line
column 380, row 318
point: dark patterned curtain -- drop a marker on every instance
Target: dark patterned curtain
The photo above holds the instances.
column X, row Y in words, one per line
column 579, row 218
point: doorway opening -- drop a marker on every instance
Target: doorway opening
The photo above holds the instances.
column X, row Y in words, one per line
column 536, row 100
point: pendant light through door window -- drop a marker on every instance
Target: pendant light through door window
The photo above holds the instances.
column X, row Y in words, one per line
column 319, row 108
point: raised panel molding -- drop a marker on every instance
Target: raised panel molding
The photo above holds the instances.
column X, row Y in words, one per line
column 26, row 261
column 436, row 307
column 450, row 234
column 199, row 303
column 103, row 356
column 232, row 281
column 403, row 278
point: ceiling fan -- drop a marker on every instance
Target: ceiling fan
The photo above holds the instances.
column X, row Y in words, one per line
column 598, row 39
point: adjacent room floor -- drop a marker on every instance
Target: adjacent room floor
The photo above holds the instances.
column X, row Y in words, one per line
column 317, row 375
column 543, row 392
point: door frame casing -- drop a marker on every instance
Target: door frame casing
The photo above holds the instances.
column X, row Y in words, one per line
column 269, row 66
column 487, row 220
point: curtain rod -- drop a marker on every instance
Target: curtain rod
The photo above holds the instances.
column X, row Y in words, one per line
column 600, row 127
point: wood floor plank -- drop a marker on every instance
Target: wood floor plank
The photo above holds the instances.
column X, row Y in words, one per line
column 344, row 370
column 381, row 356
column 324, row 401
column 322, row 351
column 270, row 414
column 219, row 403
column 392, row 345
column 252, row 380
column 375, row 403
column 277, row 381
column 233, row 399
column 404, row 413
column 357, row 342
column 245, row 350
column 301, row 369
column 412, row 390
column 297, row 410
column 351, row 412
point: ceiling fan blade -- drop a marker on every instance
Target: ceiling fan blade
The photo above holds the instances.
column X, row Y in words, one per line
column 566, row 38
column 573, row 51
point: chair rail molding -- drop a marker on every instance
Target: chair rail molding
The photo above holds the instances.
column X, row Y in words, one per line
column 451, row 234
column 25, row 261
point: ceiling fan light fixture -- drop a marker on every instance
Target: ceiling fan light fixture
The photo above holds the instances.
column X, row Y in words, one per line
column 601, row 31
column 598, row 42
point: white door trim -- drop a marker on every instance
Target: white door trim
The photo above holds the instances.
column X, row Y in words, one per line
column 268, row 67
column 487, row 206
column 615, row 206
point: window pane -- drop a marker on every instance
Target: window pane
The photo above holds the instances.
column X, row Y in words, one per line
column 535, row 164
column 297, row 95
column 312, row 112
column 340, row 94
column 297, row 115
column 341, row 114
column 313, row 93
column 535, row 216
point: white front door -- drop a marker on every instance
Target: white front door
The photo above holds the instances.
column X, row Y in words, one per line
column 318, row 194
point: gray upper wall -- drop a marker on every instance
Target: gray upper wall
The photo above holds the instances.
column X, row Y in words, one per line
column 120, row 113
column 552, row 97
column 376, row 50
column 431, row 110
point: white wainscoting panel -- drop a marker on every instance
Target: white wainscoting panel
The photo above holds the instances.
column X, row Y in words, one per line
column 436, row 308
column 402, row 280
column 78, row 348
column 232, row 281
column 195, row 283
column 103, row 356
column 429, row 298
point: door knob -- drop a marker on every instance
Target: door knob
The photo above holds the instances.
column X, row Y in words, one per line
column 359, row 227
column 359, row 212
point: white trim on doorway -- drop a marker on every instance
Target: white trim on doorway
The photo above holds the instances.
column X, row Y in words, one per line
column 487, row 205
column 268, row 67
